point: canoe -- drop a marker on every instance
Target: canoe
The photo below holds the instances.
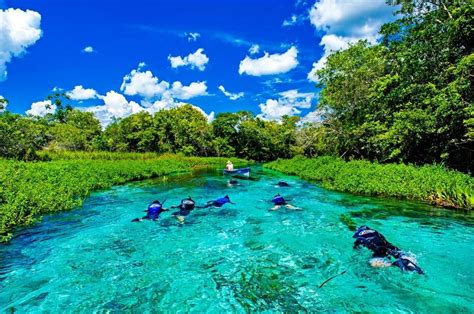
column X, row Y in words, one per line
column 241, row 171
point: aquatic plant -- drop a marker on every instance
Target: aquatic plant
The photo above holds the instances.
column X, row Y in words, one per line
column 431, row 183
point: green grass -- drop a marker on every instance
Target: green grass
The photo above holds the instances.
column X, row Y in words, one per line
column 434, row 184
column 30, row 189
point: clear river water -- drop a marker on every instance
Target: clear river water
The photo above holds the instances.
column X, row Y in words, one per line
column 239, row 258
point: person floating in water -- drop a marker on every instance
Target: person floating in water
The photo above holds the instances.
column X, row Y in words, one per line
column 153, row 212
column 185, row 208
column 229, row 166
column 218, row 202
column 279, row 201
column 282, row 183
column 232, row 182
column 384, row 250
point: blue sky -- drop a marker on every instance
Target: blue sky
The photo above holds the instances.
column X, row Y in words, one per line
column 120, row 57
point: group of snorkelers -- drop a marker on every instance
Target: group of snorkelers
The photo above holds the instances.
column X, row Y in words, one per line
column 382, row 251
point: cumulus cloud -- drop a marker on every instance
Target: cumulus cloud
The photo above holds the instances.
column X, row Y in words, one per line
column 178, row 90
column 88, row 49
column 192, row 36
column 81, row 93
column 254, row 49
column 232, row 96
column 196, row 60
column 18, row 30
column 274, row 109
column 115, row 106
column 270, row 63
column 41, row 108
column 143, row 83
column 346, row 22
column 156, row 95
column 289, row 103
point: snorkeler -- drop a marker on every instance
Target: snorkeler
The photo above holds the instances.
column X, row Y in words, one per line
column 279, row 201
column 232, row 182
column 153, row 211
column 218, row 202
column 185, row 208
column 384, row 250
column 282, row 183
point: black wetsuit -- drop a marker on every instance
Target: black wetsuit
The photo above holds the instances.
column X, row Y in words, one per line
column 381, row 248
column 374, row 241
column 185, row 208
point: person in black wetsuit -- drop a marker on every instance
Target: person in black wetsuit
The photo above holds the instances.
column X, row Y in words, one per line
column 282, row 183
column 218, row 202
column 383, row 250
column 279, row 201
column 185, row 208
column 153, row 212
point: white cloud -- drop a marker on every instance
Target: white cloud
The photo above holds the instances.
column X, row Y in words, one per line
column 156, row 95
column 41, row 108
column 194, row 60
column 115, row 106
column 346, row 22
column 81, row 93
column 3, row 105
column 186, row 92
column 270, row 64
column 192, row 36
column 254, row 49
column 294, row 20
column 232, row 96
column 18, row 30
column 289, row 103
column 274, row 109
column 313, row 116
column 143, row 83
column 88, row 49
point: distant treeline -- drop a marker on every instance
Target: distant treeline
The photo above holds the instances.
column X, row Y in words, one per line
column 408, row 98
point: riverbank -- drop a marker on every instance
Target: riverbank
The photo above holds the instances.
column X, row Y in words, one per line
column 29, row 190
column 433, row 184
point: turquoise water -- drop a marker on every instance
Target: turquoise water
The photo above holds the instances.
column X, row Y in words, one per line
column 236, row 259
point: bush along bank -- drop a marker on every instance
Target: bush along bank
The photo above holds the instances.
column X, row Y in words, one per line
column 431, row 183
column 31, row 189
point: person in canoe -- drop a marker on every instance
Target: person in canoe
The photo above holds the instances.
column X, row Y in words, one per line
column 153, row 212
column 185, row 208
column 218, row 202
column 229, row 166
column 279, row 201
column 383, row 251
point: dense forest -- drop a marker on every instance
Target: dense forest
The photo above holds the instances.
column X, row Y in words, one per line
column 408, row 98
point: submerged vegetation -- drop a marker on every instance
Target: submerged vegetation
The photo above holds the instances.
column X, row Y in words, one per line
column 434, row 184
column 31, row 189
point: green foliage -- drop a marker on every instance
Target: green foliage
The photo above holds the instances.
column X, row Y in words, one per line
column 29, row 190
column 434, row 184
column 20, row 137
column 409, row 98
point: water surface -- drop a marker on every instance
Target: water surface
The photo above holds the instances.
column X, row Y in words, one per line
column 236, row 259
